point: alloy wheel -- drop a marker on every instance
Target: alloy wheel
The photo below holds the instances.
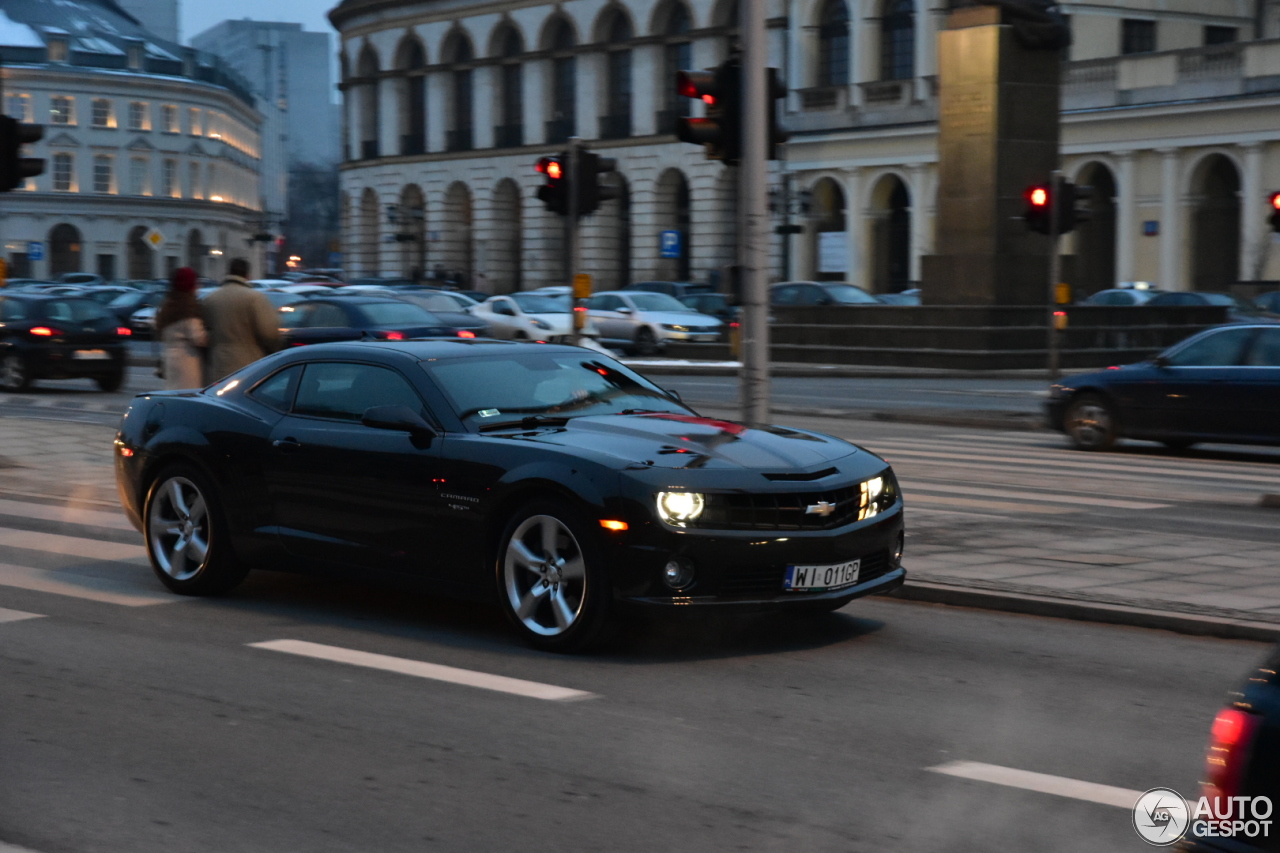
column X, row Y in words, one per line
column 13, row 373
column 545, row 575
column 178, row 525
column 1090, row 424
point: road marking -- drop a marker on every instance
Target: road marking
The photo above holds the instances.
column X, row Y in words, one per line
column 128, row 590
column 421, row 669
column 966, row 489
column 74, row 546
column 7, row 615
column 13, row 848
column 1061, row 786
column 69, row 514
column 1005, row 506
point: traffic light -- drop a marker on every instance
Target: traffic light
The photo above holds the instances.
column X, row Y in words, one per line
column 14, row 168
column 721, row 90
column 776, row 90
column 1040, row 202
column 1275, row 212
column 590, row 191
column 554, row 192
column 1037, row 213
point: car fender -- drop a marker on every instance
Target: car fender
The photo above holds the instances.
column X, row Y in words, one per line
column 575, row 479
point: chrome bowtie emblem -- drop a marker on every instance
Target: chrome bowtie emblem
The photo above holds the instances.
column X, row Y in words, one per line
column 820, row 508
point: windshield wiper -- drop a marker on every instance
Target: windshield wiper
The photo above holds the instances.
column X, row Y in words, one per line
column 531, row 422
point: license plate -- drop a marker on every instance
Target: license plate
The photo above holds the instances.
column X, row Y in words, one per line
column 813, row 578
column 706, row 337
column 91, row 354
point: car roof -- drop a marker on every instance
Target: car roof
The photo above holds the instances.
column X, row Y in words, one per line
column 352, row 300
column 427, row 350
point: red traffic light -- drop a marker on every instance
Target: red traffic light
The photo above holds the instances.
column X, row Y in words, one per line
column 1038, row 196
column 1275, row 201
column 551, row 167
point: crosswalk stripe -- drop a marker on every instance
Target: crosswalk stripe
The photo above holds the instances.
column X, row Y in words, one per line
column 1061, row 786
column 421, row 669
column 72, row 546
column 7, row 615
column 134, row 589
column 69, row 514
column 912, row 486
column 975, row 503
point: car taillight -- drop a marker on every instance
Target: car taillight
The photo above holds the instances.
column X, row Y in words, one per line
column 395, row 336
column 45, row 331
column 123, row 332
column 1229, row 742
column 463, row 333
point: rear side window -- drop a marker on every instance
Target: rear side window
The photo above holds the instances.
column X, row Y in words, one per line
column 1266, row 349
column 326, row 315
column 345, row 391
column 13, row 309
column 277, row 390
column 1220, row 349
column 74, row 310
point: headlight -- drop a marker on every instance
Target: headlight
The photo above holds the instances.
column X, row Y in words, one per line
column 679, row 508
column 670, row 328
column 878, row 495
column 539, row 324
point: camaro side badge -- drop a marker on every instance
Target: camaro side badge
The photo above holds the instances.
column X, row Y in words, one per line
column 820, row 508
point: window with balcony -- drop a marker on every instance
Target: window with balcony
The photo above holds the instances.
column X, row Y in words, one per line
column 1137, row 36
column 103, row 114
column 1221, row 35
column 64, row 173
column 367, row 99
column 411, row 59
column 616, row 122
column 458, row 51
column 564, row 85
column 509, row 132
column 103, row 174
column 898, row 41
column 677, row 55
column 833, row 45
column 62, row 110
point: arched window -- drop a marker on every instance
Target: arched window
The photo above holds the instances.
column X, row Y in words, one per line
column 509, row 131
column 833, row 45
column 898, row 41
column 64, row 249
column 564, row 88
column 677, row 55
column 458, row 51
column 367, row 97
column 413, row 107
column 616, row 123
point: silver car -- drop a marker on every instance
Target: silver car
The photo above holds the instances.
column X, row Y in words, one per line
column 644, row 323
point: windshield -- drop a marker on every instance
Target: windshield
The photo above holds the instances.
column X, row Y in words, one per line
column 503, row 388
column 1230, row 301
column 124, row 300
column 847, row 294
column 396, row 312
column 658, row 302
column 540, row 303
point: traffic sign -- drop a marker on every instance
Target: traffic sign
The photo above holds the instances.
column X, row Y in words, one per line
column 669, row 245
column 153, row 238
column 582, row 286
column 35, row 251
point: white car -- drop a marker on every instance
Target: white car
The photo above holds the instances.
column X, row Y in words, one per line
column 644, row 323
column 529, row 316
column 303, row 289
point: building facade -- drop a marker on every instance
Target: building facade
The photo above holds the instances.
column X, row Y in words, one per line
column 142, row 138
column 1171, row 112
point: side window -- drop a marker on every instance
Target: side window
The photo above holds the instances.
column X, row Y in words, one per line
column 13, row 309
column 504, row 308
column 786, row 295
column 596, row 303
column 277, row 390
column 294, row 316
column 811, row 295
column 1266, row 349
column 326, row 315
column 613, row 303
column 345, row 391
column 57, row 310
column 1220, row 349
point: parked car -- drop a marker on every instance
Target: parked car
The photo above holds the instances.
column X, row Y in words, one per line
column 46, row 336
column 529, row 316
column 281, row 298
column 125, row 304
column 383, row 282
column 265, row 283
column 451, row 308
column 339, row 451
column 819, row 293
column 714, row 305
column 1220, row 385
column 910, row 296
column 1238, row 310
column 643, row 323
column 1120, row 296
column 105, row 294
column 81, row 278
column 1269, row 302
column 304, row 289
column 353, row 318
column 676, row 289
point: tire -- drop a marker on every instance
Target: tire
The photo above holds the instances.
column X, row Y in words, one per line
column 1179, row 443
column 183, row 506
column 646, row 343
column 111, row 382
column 560, row 606
column 1090, row 422
column 15, row 376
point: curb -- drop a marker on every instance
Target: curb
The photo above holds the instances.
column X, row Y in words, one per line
column 1013, row 421
column 1086, row 611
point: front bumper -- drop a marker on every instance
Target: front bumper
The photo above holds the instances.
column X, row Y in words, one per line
column 689, row 337
column 885, row 583
column 1055, row 410
column 59, row 362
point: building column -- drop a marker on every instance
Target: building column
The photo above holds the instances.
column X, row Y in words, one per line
column 647, row 99
column 535, row 84
column 483, row 85
column 795, row 71
column 592, row 74
column 1126, row 213
column 864, row 33
column 1171, row 253
column 921, row 233
column 1255, row 240
column 388, row 117
column 855, row 229
column 437, row 102
column 925, row 51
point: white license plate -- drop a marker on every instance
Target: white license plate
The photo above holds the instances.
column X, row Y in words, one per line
column 706, row 337
column 91, row 354
column 812, row 578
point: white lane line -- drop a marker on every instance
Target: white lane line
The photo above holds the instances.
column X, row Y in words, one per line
column 1061, row 786
column 975, row 503
column 7, row 615
column 13, row 848
column 70, row 514
column 1083, row 500
column 73, row 546
column 433, row 671
column 132, row 590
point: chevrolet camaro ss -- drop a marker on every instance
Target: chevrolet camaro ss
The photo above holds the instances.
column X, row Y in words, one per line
column 551, row 479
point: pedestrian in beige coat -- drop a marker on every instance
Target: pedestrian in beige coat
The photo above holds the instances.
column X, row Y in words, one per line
column 243, row 326
column 180, row 327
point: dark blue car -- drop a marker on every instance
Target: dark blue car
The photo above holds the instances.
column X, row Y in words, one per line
column 1220, row 385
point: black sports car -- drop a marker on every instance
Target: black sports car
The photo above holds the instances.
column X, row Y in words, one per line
column 59, row 337
column 550, row 477
column 354, row 318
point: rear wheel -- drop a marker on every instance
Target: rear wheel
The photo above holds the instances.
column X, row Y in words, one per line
column 646, row 343
column 1090, row 422
column 551, row 583
column 186, row 535
column 14, row 373
column 112, row 381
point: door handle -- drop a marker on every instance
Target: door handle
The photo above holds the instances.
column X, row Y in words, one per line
column 286, row 444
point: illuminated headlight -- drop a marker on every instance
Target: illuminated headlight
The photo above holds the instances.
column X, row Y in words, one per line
column 680, row 508
column 539, row 324
column 878, row 495
column 671, row 328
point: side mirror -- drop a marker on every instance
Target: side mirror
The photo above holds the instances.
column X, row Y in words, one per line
column 674, row 394
column 400, row 418
column 624, row 310
column 1161, row 361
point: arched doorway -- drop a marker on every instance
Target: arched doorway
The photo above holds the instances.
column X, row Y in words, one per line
column 456, row 251
column 506, row 250
column 673, row 215
column 891, row 236
column 1215, row 224
column 64, row 249
column 1095, row 257
column 141, row 257
column 195, row 251
column 368, row 242
column 367, row 98
column 830, row 232
column 411, row 232
column 411, row 59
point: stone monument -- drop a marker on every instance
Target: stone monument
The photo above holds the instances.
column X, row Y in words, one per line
column 999, row 77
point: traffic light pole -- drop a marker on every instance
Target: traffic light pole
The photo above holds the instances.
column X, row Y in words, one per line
column 571, row 224
column 1055, row 273
column 754, row 240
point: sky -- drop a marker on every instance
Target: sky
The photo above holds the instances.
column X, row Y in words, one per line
column 198, row 15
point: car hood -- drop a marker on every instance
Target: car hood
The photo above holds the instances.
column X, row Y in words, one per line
column 679, row 318
column 688, row 441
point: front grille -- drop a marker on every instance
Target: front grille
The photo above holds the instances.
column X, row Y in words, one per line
column 767, row 582
column 782, row 511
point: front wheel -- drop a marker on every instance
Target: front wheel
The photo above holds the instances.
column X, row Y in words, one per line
column 1090, row 422
column 186, row 535
column 14, row 373
column 646, row 343
column 551, row 584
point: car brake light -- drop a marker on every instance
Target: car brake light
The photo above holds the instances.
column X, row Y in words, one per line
column 45, row 331
column 464, row 333
column 395, row 336
column 123, row 332
column 1229, row 741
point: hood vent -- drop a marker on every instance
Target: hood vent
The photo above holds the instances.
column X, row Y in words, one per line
column 801, row 478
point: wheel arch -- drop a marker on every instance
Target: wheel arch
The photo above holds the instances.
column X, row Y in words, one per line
column 517, row 496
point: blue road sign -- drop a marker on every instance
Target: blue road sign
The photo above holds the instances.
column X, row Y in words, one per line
column 669, row 244
column 35, row 251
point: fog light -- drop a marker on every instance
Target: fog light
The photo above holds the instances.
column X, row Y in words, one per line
column 677, row 574
column 895, row 556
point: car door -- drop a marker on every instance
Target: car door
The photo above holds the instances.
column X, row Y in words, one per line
column 1193, row 392
column 601, row 311
column 347, row 493
column 502, row 318
column 1257, row 403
